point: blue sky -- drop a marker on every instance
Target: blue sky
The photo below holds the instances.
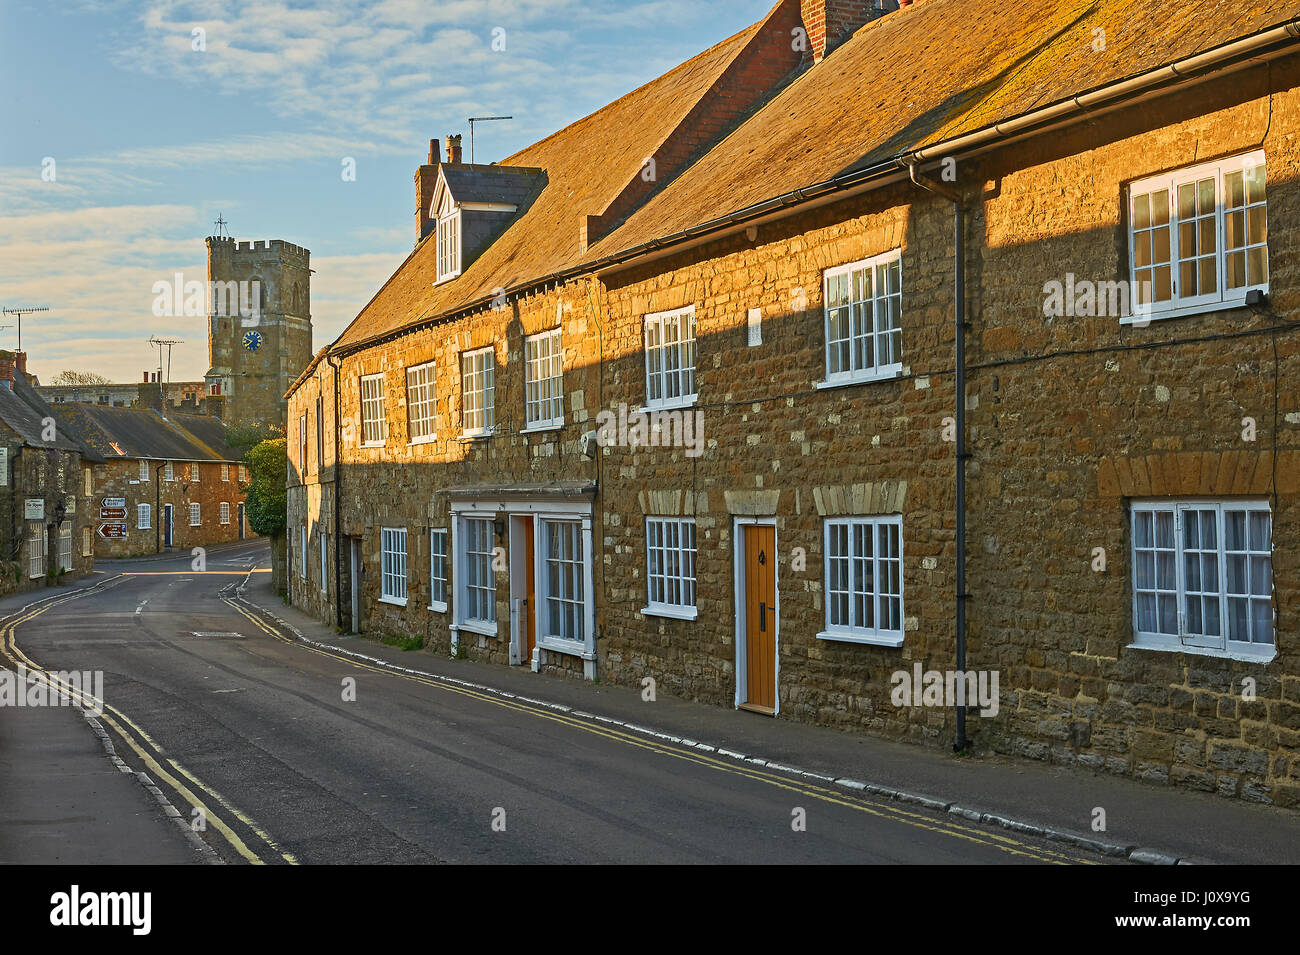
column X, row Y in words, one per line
column 151, row 139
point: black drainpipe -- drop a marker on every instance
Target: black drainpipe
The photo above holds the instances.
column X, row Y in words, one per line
column 959, row 291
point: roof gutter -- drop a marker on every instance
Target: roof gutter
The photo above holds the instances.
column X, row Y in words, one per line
column 1261, row 47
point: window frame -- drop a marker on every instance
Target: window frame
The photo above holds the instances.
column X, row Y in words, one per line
column 466, row 574
column 663, row 608
column 439, row 584
column 1184, row 640
column 555, row 359
column 1222, row 298
column 196, row 514
column 570, row 570
column 853, row 632
column 389, row 573
column 683, row 345
column 225, row 472
column 428, row 404
column 144, row 512
column 144, row 471
column 877, row 371
column 322, row 541
column 380, row 422
column 63, row 556
column 449, row 229
column 224, row 512
column 36, row 535
column 487, row 393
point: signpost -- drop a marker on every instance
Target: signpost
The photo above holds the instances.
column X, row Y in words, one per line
column 112, row 531
column 112, row 513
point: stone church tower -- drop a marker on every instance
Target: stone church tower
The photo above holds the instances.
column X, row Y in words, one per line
column 259, row 326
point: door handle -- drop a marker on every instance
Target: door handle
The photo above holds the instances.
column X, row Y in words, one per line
column 762, row 617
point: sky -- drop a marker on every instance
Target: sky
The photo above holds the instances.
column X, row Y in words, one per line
column 126, row 128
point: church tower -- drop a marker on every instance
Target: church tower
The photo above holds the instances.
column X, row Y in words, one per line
column 259, row 326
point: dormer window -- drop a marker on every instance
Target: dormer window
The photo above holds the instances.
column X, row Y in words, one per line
column 449, row 246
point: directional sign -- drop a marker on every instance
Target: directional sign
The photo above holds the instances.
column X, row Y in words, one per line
column 112, row 513
column 112, row 502
column 112, row 531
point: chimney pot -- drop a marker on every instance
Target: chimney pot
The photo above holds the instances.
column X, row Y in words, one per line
column 435, row 153
column 453, row 149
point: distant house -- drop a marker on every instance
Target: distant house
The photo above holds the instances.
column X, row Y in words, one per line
column 162, row 481
column 46, row 484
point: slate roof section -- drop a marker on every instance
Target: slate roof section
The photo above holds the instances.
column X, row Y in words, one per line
column 118, row 433
column 515, row 185
column 23, row 410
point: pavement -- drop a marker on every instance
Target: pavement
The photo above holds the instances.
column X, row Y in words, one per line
column 1143, row 821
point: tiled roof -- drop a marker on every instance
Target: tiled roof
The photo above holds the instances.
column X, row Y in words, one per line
column 918, row 76
column 24, row 411
column 586, row 165
column 509, row 184
column 926, row 74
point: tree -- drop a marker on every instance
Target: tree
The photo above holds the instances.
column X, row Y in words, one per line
column 70, row 377
column 266, row 500
column 241, row 438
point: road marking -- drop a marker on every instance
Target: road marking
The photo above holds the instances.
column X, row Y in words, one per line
column 9, row 647
column 190, row 574
column 996, row 840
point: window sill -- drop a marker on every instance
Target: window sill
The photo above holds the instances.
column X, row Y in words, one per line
column 468, row 436
column 675, row 613
column 395, row 601
column 443, row 279
column 881, row 640
column 427, row 439
column 892, row 372
column 374, row 444
column 438, row 607
column 575, row 648
column 675, row 405
column 1245, row 656
column 1140, row 320
column 542, row 428
column 482, row 629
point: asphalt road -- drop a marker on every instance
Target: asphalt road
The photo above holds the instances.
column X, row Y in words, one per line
column 234, row 718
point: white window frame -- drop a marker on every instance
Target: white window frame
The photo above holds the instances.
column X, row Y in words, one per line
column 225, row 512
column 1222, row 297
column 37, row 547
column 439, row 560
column 564, row 564
column 194, row 472
column 88, row 485
column 543, row 381
column 478, row 378
column 144, row 517
column 65, row 547
column 87, row 542
column 854, row 631
column 1185, row 640
column 225, row 472
column 392, row 566
column 169, row 472
column 302, row 551
column 144, row 472
column 880, row 302
column 679, row 353
column 196, row 514
column 671, row 567
column 449, row 239
column 243, row 474
column 322, row 540
column 374, row 415
column 469, row 571
column 421, row 403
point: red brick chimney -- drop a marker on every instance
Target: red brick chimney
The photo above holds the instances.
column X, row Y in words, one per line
column 426, row 178
column 453, row 150
column 9, row 363
column 830, row 22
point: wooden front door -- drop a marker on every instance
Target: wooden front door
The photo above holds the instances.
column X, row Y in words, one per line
column 530, row 583
column 760, row 618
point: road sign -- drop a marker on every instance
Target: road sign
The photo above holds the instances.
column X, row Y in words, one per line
column 112, row 502
column 112, row 531
column 112, row 513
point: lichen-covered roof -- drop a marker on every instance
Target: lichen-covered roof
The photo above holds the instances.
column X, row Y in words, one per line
column 128, row 433
column 926, row 74
column 585, row 165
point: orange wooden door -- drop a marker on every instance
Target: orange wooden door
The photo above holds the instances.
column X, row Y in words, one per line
column 760, row 617
column 530, row 618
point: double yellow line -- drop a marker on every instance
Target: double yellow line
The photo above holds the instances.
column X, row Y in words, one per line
column 149, row 751
column 997, row 840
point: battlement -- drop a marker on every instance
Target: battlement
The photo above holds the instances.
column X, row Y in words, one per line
column 258, row 247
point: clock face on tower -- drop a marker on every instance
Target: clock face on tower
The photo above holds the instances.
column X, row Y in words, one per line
column 252, row 340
